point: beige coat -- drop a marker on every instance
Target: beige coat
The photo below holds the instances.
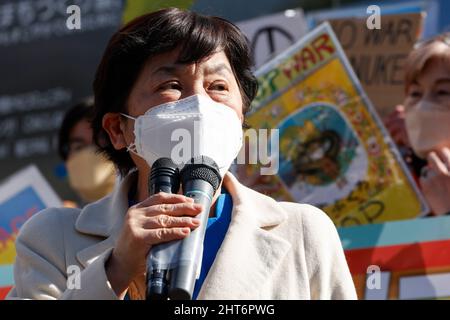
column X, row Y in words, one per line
column 272, row 250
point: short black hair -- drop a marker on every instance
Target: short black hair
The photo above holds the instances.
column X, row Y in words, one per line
column 81, row 111
column 162, row 31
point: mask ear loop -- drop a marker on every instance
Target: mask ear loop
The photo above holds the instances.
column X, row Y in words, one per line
column 132, row 146
column 127, row 116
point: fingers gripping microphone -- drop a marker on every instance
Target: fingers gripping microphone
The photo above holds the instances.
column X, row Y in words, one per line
column 164, row 177
column 200, row 179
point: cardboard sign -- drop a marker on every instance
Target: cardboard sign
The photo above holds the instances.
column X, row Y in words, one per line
column 21, row 196
column 333, row 151
column 378, row 56
column 411, row 259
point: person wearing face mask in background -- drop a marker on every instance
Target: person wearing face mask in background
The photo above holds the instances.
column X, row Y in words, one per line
column 89, row 173
column 423, row 122
column 168, row 75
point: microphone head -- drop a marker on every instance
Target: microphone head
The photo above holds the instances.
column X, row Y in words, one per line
column 164, row 163
column 164, row 169
column 201, row 168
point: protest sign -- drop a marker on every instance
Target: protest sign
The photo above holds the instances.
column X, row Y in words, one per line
column 21, row 196
column 378, row 55
column 334, row 152
column 400, row 260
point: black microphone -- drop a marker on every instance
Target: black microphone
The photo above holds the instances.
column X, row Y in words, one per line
column 164, row 177
column 200, row 179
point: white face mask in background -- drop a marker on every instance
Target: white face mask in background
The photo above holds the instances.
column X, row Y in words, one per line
column 428, row 127
column 186, row 128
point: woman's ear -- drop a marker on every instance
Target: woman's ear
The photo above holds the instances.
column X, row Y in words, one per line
column 112, row 124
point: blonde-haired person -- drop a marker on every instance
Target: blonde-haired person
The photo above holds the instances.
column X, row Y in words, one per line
column 423, row 122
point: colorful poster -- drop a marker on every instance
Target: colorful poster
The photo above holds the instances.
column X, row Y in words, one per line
column 21, row 196
column 334, row 152
column 400, row 260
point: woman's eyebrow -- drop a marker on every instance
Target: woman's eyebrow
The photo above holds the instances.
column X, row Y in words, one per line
column 219, row 68
column 174, row 69
column 442, row 81
column 167, row 70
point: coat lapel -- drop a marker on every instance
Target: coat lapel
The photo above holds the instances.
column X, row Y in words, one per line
column 249, row 253
column 246, row 259
column 104, row 218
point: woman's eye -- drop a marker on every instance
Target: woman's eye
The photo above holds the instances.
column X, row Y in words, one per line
column 443, row 93
column 415, row 94
column 218, row 86
column 172, row 85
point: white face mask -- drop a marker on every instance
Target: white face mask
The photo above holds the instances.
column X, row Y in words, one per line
column 428, row 127
column 186, row 128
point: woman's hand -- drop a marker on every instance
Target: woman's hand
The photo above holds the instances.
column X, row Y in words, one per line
column 160, row 218
column 395, row 123
column 435, row 181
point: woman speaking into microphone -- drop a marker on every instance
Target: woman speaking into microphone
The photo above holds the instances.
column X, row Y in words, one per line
column 160, row 74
